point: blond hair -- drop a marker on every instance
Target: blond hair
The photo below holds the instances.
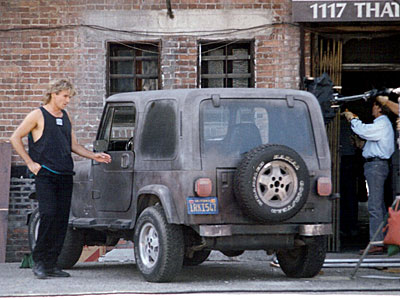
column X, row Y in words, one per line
column 57, row 86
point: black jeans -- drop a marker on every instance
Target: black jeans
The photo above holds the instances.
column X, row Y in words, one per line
column 54, row 195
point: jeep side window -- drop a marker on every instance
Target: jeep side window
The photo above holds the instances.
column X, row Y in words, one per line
column 119, row 128
column 159, row 137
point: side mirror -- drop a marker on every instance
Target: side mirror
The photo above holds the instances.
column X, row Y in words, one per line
column 100, row 146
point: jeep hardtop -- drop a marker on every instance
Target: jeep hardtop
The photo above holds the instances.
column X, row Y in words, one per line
column 198, row 170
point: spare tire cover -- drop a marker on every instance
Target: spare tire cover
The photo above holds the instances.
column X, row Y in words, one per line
column 272, row 183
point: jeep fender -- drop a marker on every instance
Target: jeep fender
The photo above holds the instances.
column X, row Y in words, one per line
column 164, row 195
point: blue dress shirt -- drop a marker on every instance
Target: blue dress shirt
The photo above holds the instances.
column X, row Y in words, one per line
column 379, row 136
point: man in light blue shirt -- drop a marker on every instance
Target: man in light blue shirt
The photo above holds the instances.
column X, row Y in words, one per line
column 377, row 151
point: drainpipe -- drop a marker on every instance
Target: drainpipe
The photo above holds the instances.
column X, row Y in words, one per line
column 302, row 67
column 169, row 8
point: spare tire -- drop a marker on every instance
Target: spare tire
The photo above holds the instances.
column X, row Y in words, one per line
column 272, row 183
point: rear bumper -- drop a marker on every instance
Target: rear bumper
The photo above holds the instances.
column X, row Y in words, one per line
column 232, row 230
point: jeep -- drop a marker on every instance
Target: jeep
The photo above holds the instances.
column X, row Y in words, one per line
column 198, row 170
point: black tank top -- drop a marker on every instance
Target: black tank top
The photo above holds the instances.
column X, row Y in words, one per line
column 53, row 149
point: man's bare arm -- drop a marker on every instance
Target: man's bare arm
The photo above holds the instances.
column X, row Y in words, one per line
column 28, row 124
column 393, row 106
column 82, row 151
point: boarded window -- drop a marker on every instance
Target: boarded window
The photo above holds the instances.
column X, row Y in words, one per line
column 133, row 67
column 226, row 65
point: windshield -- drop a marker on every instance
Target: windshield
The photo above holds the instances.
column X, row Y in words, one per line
column 237, row 126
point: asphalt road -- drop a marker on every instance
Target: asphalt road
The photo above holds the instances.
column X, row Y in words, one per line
column 248, row 273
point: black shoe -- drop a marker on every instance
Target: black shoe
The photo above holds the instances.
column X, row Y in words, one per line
column 39, row 271
column 57, row 272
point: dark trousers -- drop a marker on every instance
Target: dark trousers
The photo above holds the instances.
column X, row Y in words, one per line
column 54, row 195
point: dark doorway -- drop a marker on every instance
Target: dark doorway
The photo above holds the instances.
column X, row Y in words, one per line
column 367, row 63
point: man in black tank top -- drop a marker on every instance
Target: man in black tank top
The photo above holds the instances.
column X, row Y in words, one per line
column 51, row 142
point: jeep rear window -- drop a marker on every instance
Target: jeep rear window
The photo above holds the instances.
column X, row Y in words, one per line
column 237, row 126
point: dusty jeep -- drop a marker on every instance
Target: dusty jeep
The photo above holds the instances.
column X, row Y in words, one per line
column 206, row 169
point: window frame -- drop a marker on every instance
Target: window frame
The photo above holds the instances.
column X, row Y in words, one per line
column 105, row 132
column 135, row 47
column 227, row 58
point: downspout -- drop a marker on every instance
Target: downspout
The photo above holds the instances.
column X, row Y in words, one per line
column 169, row 9
column 302, row 67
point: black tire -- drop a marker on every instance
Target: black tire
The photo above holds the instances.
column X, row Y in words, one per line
column 71, row 250
column 305, row 261
column 272, row 183
column 33, row 228
column 159, row 246
column 73, row 243
column 232, row 253
column 197, row 258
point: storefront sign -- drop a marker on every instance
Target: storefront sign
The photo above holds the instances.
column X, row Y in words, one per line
column 345, row 11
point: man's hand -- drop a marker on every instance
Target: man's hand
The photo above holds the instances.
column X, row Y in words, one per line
column 34, row 167
column 102, row 157
column 348, row 115
column 382, row 99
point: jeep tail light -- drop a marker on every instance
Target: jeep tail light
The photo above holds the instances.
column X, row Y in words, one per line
column 203, row 187
column 324, row 186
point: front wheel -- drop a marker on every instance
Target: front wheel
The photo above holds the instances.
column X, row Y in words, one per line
column 305, row 261
column 71, row 250
column 158, row 245
column 72, row 247
column 33, row 228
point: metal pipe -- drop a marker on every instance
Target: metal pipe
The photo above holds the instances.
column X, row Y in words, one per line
column 169, row 9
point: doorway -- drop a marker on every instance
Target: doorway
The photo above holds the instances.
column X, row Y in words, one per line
column 367, row 63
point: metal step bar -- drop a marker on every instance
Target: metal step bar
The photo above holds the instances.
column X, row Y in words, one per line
column 381, row 262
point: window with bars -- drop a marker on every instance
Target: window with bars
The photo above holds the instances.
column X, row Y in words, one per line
column 133, row 67
column 228, row 64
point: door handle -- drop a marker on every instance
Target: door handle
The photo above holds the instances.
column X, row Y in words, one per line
column 124, row 160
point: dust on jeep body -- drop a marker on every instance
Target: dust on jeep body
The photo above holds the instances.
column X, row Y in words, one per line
column 207, row 169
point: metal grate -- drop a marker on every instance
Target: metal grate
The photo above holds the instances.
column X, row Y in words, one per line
column 133, row 67
column 229, row 64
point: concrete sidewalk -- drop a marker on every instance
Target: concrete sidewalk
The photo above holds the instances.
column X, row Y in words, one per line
column 251, row 272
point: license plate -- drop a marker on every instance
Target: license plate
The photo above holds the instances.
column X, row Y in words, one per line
column 202, row 206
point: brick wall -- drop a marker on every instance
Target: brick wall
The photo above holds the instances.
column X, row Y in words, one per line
column 31, row 57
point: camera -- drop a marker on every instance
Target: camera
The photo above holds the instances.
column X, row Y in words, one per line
column 384, row 92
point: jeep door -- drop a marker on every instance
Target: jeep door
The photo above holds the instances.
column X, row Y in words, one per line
column 112, row 183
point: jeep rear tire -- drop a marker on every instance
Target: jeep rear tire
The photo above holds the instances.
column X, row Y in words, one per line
column 196, row 258
column 159, row 246
column 72, row 247
column 272, row 183
column 305, row 261
column 232, row 253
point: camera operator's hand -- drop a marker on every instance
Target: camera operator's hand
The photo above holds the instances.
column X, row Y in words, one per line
column 382, row 99
column 348, row 115
column 392, row 105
